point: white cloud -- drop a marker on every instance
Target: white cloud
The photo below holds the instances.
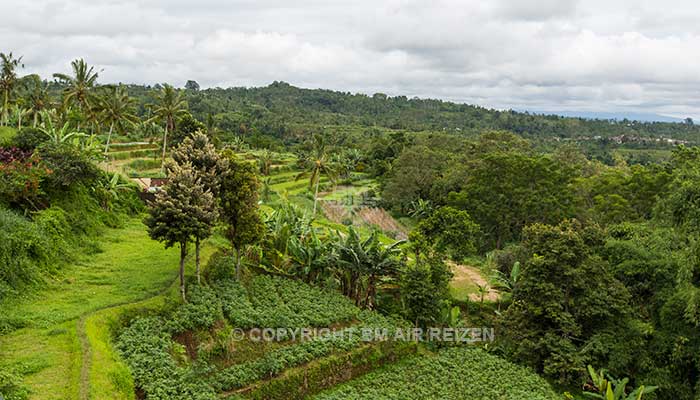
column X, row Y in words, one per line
column 541, row 54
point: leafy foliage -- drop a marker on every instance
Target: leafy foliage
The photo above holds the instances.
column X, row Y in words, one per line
column 454, row 373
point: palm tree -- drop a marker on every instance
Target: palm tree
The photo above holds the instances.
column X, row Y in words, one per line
column 318, row 164
column 79, row 89
column 118, row 111
column 8, row 78
column 168, row 106
column 36, row 97
column 265, row 159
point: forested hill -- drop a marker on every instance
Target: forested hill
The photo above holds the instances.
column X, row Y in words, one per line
column 280, row 107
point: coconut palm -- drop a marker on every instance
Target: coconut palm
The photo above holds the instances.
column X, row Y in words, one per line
column 168, row 106
column 117, row 110
column 36, row 96
column 80, row 85
column 8, row 78
column 317, row 164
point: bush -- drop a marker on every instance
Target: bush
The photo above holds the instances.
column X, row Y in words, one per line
column 20, row 182
column 29, row 138
column 220, row 267
column 11, row 387
column 69, row 165
column 24, row 252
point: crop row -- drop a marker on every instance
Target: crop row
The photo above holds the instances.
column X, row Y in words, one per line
column 454, row 373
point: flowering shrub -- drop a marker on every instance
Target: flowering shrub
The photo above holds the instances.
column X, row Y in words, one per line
column 10, row 154
column 20, row 179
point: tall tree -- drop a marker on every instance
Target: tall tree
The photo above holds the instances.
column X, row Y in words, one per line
column 118, row 111
column 36, row 95
column 79, row 86
column 207, row 164
column 8, row 78
column 239, row 205
column 450, row 231
column 168, row 106
column 180, row 212
column 317, row 164
column 564, row 296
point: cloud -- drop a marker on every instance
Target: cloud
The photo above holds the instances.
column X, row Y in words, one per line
column 538, row 54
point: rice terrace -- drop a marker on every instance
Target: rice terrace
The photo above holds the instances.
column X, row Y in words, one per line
column 349, row 201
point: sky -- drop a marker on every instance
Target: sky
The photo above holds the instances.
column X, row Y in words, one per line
column 543, row 55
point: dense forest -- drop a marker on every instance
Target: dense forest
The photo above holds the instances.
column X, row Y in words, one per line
column 280, row 207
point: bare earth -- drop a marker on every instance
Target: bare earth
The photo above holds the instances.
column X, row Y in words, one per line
column 471, row 274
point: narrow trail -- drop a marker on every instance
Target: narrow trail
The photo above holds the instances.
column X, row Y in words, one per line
column 86, row 354
column 128, row 268
column 85, row 347
column 469, row 274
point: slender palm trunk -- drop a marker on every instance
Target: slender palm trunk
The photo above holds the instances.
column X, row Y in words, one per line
column 196, row 251
column 19, row 120
column 36, row 116
column 183, row 254
column 165, row 141
column 109, row 136
column 316, row 194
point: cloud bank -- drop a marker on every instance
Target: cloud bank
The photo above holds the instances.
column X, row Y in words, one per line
column 593, row 55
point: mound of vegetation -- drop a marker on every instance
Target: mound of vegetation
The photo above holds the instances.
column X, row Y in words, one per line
column 454, row 373
column 214, row 359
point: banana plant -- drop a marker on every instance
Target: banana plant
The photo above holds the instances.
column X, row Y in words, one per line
column 57, row 135
column 609, row 388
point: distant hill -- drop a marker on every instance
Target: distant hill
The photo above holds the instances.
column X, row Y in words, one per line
column 619, row 116
column 283, row 110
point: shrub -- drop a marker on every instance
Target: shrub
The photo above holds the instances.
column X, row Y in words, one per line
column 29, row 138
column 20, row 182
column 68, row 163
column 220, row 267
column 11, row 387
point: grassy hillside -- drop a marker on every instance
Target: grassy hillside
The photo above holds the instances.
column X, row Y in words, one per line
column 50, row 352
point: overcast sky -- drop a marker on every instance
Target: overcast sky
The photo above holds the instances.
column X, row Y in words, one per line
column 589, row 55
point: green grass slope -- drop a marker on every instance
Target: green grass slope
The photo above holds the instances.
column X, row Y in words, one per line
column 49, row 352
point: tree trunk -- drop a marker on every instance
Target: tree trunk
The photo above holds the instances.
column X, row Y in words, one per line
column 109, row 136
column 165, row 141
column 183, row 254
column 371, row 293
column 35, row 119
column 196, row 244
column 316, row 194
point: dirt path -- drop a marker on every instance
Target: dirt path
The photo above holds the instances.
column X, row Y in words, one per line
column 465, row 275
